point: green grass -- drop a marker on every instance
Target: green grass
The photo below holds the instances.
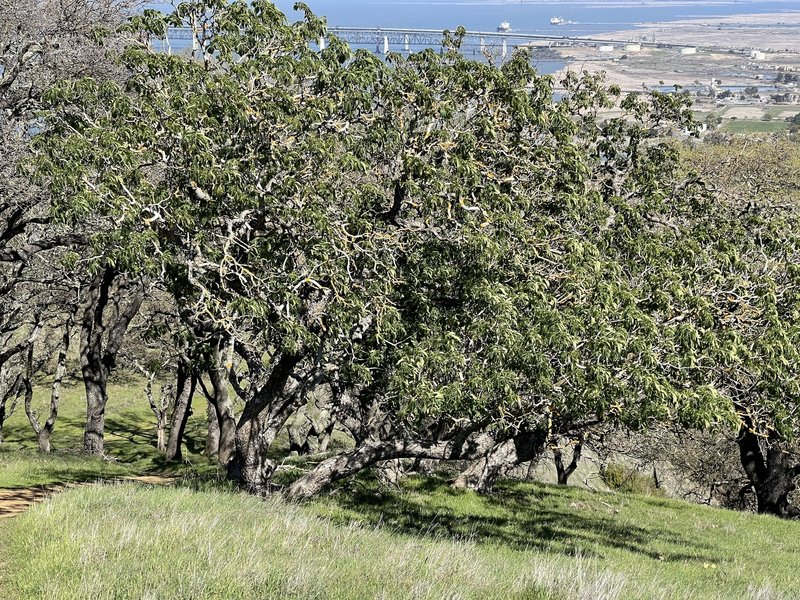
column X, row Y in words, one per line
column 742, row 126
column 423, row 540
column 132, row 542
column 130, row 440
column 25, row 468
column 657, row 548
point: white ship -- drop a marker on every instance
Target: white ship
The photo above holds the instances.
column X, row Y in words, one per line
column 557, row 21
column 504, row 27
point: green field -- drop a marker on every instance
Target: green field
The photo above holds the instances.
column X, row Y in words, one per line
column 741, row 126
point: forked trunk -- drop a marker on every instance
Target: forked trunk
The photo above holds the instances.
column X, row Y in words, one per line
column 102, row 335
column 180, row 415
column 44, row 431
column 563, row 472
column 264, row 415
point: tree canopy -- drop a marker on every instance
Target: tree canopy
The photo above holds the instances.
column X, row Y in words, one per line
column 460, row 255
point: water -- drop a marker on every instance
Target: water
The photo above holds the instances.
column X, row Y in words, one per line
column 524, row 16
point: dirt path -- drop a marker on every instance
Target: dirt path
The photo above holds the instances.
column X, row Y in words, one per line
column 16, row 501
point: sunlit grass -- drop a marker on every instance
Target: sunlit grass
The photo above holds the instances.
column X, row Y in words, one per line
column 423, row 540
column 658, row 548
column 25, row 468
column 130, row 440
column 132, row 542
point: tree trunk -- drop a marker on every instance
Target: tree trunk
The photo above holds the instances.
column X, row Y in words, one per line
column 342, row 466
column 43, row 432
column 563, row 472
column 184, row 391
column 159, row 409
column 771, row 474
column 161, row 434
column 220, row 399
column 101, row 338
column 300, row 429
column 8, row 397
column 95, row 383
column 483, row 473
column 44, row 440
column 371, row 452
column 212, row 437
column 250, row 465
column 325, row 437
column 264, row 415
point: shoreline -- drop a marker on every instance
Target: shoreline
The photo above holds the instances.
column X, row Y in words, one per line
column 768, row 32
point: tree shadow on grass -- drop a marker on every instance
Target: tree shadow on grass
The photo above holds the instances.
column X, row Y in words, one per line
column 130, row 445
column 522, row 519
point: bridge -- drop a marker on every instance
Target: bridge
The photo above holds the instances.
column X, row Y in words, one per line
column 405, row 38
column 387, row 40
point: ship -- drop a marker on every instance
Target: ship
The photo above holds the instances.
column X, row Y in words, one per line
column 557, row 21
column 504, row 27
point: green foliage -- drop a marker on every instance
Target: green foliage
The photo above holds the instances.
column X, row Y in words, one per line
column 457, row 244
column 748, row 278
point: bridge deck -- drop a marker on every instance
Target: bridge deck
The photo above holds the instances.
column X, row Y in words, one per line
column 433, row 37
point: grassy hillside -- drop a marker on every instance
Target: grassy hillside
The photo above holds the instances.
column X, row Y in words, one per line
column 421, row 541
